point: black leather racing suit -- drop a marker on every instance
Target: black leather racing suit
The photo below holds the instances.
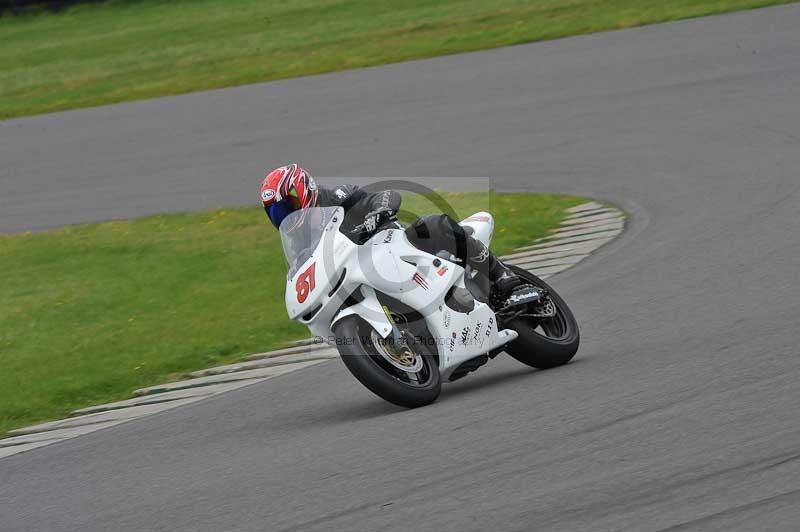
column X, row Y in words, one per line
column 432, row 233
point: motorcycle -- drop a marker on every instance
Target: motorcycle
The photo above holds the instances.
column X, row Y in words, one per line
column 404, row 321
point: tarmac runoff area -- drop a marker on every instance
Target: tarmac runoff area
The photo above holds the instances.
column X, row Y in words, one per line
column 587, row 227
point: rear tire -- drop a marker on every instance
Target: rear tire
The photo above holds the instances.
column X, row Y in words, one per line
column 372, row 369
column 561, row 337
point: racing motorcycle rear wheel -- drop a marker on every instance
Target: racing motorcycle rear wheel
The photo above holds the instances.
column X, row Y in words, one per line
column 406, row 374
column 544, row 342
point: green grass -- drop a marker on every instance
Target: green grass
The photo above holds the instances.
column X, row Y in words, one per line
column 127, row 50
column 90, row 313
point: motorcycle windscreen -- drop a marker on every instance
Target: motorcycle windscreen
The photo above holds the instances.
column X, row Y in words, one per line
column 301, row 233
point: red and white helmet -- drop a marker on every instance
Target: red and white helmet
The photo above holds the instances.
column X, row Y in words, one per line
column 285, row 190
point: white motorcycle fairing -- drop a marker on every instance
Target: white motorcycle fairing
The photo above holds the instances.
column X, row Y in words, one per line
column 341, row 278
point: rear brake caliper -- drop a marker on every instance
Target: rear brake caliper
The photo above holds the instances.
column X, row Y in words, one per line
column 528, row 301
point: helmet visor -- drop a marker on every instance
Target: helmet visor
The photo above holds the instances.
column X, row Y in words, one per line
column 279, row 210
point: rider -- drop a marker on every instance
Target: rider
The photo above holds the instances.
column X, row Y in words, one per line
column 289, row 188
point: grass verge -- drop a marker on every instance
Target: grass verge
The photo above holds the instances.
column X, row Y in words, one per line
column 89, row 313
column 125, row 50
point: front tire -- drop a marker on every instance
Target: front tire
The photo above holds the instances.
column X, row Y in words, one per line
column 368, row 360
column 544, row 343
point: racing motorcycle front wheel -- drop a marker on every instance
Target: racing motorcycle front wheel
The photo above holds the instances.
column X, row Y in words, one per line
column 405, row 373
column 544, row 342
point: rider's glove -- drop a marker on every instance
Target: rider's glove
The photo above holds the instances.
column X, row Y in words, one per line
column 377, row 218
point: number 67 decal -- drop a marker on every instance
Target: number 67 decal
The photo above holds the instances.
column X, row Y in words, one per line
column 305, row 283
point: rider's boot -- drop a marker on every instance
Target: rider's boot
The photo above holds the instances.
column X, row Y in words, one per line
column 507, row 289
column 503, row 280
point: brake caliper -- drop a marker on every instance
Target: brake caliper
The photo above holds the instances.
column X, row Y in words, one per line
column 530, row 301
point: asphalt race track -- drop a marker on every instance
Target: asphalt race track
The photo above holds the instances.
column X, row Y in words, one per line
column 680, row 411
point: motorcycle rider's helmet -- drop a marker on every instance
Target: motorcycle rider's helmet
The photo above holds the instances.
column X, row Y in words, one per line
column 285, row 190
